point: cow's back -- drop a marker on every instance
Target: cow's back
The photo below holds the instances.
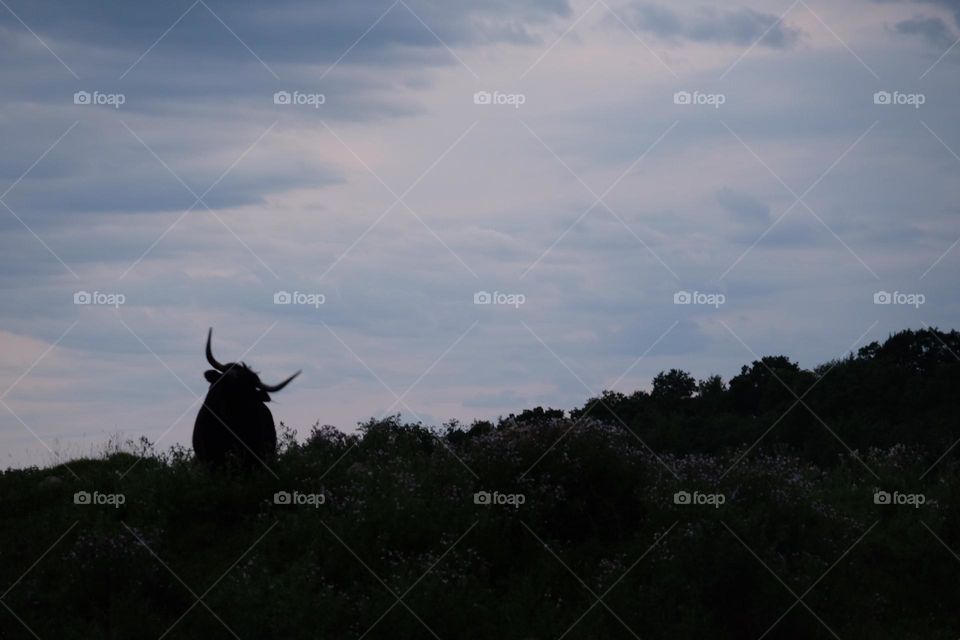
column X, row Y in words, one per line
column 245, row 428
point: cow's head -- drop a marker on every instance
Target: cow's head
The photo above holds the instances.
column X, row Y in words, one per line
column 237, row 380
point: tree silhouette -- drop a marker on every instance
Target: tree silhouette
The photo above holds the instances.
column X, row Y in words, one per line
column 673, row 385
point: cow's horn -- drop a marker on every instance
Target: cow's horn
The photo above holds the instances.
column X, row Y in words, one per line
column 213, row 362
column 277, row 387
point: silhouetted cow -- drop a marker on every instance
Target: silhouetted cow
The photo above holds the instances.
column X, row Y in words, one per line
column 234, row 418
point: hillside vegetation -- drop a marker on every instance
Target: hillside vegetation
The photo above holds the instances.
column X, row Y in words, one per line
column 785, row 502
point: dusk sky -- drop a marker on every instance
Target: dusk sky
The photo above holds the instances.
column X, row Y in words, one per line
column 642, row 185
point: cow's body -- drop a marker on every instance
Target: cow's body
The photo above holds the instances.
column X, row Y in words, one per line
column 234, row 419
column 225, row 425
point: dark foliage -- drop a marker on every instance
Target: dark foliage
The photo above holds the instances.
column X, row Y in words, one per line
column 904, row 391
column 591, row 508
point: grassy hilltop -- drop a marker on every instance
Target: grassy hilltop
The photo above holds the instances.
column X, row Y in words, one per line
column 651, row 515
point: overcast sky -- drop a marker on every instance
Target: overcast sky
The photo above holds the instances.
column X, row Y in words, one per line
column 183, row 162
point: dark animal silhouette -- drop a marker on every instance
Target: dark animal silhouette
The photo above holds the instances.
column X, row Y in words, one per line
column 234, row 419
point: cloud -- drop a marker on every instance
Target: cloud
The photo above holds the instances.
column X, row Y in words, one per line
column 930, row 27
column 744, row 207
column 286, row 32
column 193, row 83
column 934, row 29
column 709, row 25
